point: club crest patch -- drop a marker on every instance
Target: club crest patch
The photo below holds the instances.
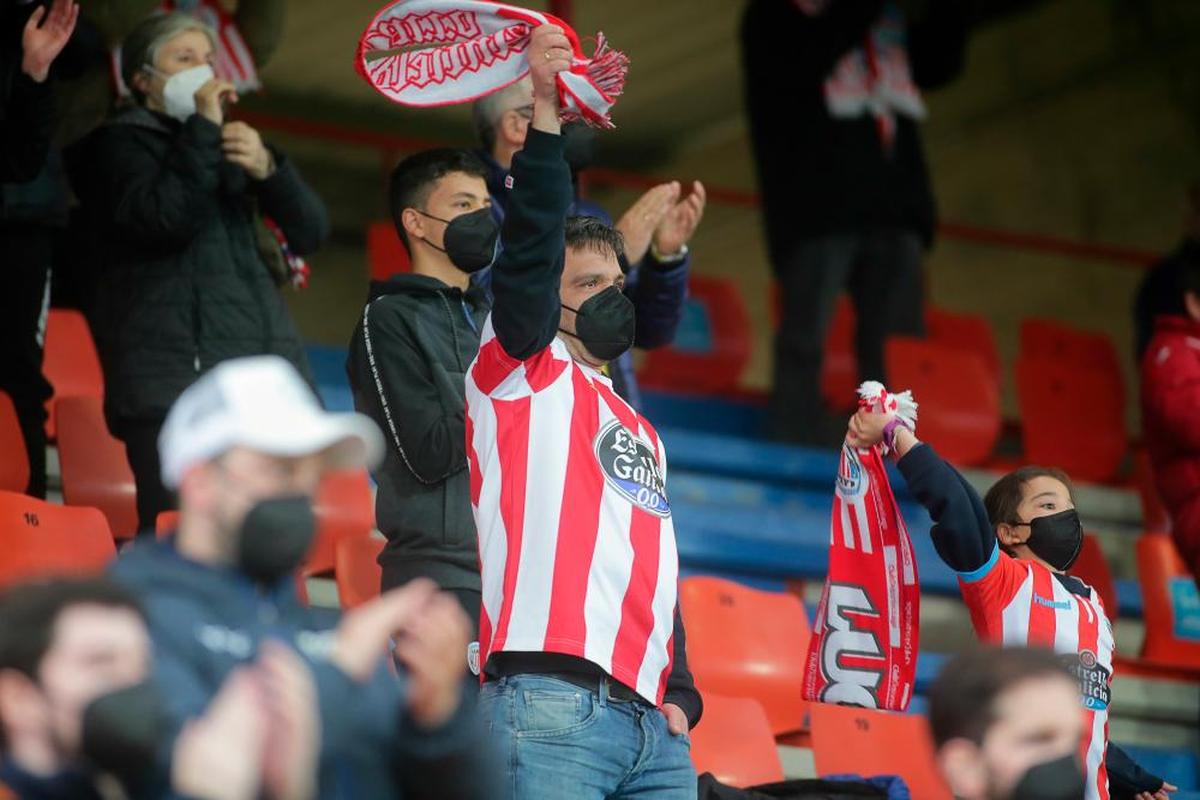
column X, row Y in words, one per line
column 630, row 466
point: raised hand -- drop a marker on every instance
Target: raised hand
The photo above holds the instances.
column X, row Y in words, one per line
column 433, row 649
column 219, row 755
column 364, row 634
column 639, row 223
column 210, row 99
column 243, row 146
column 294, row 725
column 680, row 222
column 549, row 53
column 41, row 44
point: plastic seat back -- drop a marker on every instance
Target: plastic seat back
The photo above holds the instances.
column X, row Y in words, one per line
column 345, row 509
column 969, row 332
column 734, row 742
column 958, row 397
column 14, row 460
column 38, row 539
column 71, row 363
column 867, row 742
column 1172, row 604
column 386, row 255
column 745, row 642
column 1044, row 338
column 1154, row 514
column 357, row 571
column 712, row 345
column 1092, row 568
column 95, row 471
column 1072, row 417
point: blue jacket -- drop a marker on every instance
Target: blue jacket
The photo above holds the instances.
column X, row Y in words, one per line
column 206, row 621
column 657, row 290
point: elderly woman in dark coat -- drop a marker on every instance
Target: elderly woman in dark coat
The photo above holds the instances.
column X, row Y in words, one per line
column 172, row 192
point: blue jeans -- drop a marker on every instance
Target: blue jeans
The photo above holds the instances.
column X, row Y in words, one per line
column 563, row 741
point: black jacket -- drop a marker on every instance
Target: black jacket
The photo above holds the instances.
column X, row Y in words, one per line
column 407, row 364
column 819, row 174
column 204, row 622
column 1161, row 291
column 182, row 285
column 965, row 540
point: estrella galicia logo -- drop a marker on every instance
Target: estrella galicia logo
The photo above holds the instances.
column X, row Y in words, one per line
column 1093, row 677
column 851, row 480
column 631, row 467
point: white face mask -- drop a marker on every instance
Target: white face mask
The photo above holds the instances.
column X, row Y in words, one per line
column 179, row 90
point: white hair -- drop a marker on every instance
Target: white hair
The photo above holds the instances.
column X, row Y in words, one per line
column 488, row 110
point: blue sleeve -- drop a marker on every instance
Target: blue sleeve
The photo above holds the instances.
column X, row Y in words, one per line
column 657, row 291
column 961, row 532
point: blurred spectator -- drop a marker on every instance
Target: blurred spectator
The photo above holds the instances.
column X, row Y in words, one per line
column 582, row 648
column 832, row 94
column 657, row 227
column 1012, row 551
column 407, row 360
column 1170, row 400
column 1006, row 726
column 172, row 193
column 79, row 710
column 1161, row 290
column 246, row 446
column 32, row 37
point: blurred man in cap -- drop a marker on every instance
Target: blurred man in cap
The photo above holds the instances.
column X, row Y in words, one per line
column 245, row 447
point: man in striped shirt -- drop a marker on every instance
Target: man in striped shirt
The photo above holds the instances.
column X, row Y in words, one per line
column 583, row 657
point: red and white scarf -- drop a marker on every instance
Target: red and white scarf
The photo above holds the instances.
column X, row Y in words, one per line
column 864, row 645
column 440, row 52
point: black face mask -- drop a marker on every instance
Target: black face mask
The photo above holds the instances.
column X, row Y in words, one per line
column 604, row 324
column 470, row 240
column 122, row 730
column 1056, row 538
column 275, row 537
column 1060, row 779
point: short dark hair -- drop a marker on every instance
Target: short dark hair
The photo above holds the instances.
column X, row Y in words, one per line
column 1004, row 498
column 962, row 701
column 593, row 233
column 413, row 179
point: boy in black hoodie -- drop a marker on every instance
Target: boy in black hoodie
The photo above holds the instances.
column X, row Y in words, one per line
column 410, row 351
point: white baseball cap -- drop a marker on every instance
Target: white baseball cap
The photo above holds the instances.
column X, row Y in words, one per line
column 260, row 403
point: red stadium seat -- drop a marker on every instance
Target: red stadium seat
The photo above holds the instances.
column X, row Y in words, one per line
column 1092, row 568
column 71, row 363
column 1072, row 417
column 386, row 255
column 743, row 642
column 1043, row 338
column 868, row 742
column 38, row 539
column 958, row 398
column 356, row 570
column 1154, row 513
column 716, row 363
column 1172, row 607
column 166, row 523
column 14, row 460
column 345, row 509
column 95, row 471
column 734, row 742
column 968, row 332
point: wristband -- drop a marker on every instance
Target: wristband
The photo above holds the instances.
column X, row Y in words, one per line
column 669, row 258
column 889, row 432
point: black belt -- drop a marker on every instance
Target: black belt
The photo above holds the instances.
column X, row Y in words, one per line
column 507, row 665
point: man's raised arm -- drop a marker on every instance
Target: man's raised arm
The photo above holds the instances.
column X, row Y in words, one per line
column 526, row 276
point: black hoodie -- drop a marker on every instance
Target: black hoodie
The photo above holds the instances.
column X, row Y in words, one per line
column 408, row 360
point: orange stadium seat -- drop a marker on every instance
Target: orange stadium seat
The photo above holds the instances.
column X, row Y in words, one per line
column 166, row 523
column 1172, row 605
column 959, row 398
column 1072, row 417
column 1154, row 513
column 356, row 570
column 734, row 742
column 969, row 332
column 744, row 642
column 868, row 742
column 1043, row 338
column 1092, row 568
column 345, row 509
column 71, row 363
column 95, row 471
column 722, row 324
column 14, row 461
column 386, row 255
column 39, row 539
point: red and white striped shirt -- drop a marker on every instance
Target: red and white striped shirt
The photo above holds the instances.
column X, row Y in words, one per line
column 576, row 544
column 1017, row 602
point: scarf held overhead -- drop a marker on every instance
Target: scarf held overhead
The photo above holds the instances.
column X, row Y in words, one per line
column 863, row 650
column 440, row 52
